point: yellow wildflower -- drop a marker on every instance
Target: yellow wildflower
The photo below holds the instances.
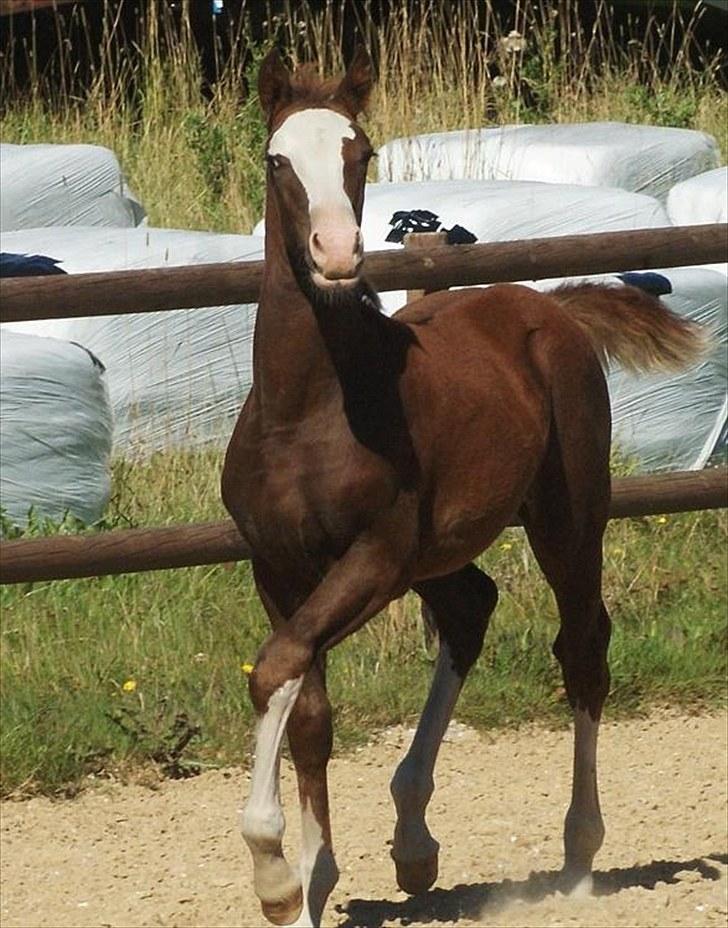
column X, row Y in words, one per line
column 247, row 668
column 129, row 686
column 506, row 546
column 662, row 520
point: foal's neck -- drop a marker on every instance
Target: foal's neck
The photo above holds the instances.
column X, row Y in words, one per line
column 310, row 346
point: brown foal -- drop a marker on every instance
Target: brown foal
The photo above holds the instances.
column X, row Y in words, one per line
column 376, row 455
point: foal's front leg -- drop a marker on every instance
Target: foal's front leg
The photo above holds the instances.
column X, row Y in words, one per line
column 309, row 733
column 284, row 894
column 310, row 737
column 359, row 585
column 263, row 823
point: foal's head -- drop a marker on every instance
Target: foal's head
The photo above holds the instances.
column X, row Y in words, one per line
column 317, row 162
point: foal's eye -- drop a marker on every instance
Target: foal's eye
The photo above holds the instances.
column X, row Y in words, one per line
column 274, row 161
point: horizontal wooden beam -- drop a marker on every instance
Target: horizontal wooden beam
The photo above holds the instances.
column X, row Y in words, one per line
column 442, row 266
column 62, row 557
column 664, row 494
column 10, row 7
column 131, row 551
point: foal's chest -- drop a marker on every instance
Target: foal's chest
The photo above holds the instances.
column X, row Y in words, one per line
column 310, row 501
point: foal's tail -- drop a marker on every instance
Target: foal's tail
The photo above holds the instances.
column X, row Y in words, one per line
column 627, row 325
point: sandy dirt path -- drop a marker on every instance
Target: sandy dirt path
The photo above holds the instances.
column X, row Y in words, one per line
column 131, row 856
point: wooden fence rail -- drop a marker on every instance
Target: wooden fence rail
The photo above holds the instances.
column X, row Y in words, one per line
column 436, row 268
column 134, row 550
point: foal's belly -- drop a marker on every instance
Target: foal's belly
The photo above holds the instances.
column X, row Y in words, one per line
column 459, row 535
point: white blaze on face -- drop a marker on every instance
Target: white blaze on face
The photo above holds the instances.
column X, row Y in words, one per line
column 312, row 140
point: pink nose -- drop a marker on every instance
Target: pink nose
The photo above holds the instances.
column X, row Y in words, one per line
column 336, row 250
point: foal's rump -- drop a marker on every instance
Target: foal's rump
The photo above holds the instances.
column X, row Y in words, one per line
column 505, row 393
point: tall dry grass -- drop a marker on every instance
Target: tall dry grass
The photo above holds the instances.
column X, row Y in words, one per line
column 194, row 159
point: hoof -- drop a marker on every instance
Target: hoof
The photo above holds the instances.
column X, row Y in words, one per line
column 416, row 876
column 576, row 884
column 284, row 911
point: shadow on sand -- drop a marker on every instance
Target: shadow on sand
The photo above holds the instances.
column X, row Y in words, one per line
column 469, row 900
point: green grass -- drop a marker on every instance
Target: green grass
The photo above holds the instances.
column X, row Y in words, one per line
column 177, row 639
column 182, row 636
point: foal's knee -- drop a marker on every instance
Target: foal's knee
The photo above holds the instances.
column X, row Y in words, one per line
column 282, row 658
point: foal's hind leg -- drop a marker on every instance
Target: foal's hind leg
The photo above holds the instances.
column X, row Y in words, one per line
column 284, row 894
column 581, row 649
column 460, row 605
column 565, row 525
column 565, row 514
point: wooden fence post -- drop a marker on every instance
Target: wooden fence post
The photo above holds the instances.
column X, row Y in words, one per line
column 422, row 241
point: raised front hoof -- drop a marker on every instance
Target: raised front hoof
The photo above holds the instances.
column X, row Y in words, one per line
column 416, row 876
column 284, row 911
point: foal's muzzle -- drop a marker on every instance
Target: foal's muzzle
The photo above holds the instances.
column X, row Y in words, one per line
column 336, row 251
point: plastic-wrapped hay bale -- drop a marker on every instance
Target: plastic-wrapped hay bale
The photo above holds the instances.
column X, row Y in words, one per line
column 64, row 185
column 643, row 159
column 673, row 421
column 700, row 199
column 56, row 429
column 176, row 378
column 497, row 211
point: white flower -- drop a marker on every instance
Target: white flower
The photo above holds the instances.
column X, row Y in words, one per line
column 513, row 43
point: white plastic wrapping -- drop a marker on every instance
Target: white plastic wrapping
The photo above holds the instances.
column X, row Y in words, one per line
column 642, row 159
column 700, row 199
column 56, row 429
column 177, row 377
column 669, row 421
column 498, row 211
column 64, row 185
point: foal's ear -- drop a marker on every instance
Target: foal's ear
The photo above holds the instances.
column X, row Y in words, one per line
column 356, row 85
column 274, row 83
